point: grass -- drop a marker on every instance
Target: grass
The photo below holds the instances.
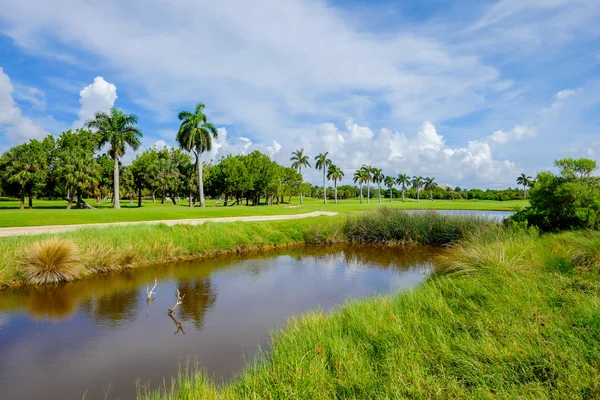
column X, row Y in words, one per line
column 52, row 261
column 512, row 316
column 53, row 212
column 118, row 247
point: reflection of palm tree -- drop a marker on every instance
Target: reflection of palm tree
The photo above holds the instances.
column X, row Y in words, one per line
column 177, row 324
column 199, row 297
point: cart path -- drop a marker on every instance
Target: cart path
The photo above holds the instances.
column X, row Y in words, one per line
column 40, row 230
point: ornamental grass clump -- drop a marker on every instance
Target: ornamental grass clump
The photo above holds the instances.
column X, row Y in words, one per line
column 52, row 261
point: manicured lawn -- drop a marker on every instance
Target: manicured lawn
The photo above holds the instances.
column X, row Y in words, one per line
column 53, row 212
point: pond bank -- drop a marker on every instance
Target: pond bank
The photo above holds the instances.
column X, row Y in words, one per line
column 515, row 316
column 90, row 251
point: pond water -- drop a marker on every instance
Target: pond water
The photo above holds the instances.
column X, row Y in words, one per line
column 496, row 215
column 100, row 334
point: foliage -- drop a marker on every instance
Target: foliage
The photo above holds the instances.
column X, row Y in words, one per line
column 570, row 200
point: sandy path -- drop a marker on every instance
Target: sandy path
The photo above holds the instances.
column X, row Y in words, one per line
column 38, row 230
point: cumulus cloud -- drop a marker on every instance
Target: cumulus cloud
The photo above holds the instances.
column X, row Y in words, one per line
column 17, row 127
column 519, row 132
column 98, row 96
column 563, row 94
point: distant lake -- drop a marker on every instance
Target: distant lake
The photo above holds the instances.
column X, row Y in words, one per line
column 497, row 215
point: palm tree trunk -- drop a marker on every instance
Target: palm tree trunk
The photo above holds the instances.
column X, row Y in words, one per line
column 70, row 203
column 368, row 191
column 524, row 192
column 379, row 187
column 191, row 202
column 324, row 188
column 200, row 182
column 418, row 197
column 300, row 170
column 431, row 194
column 139, row 197
column 390, row 195
column 116, row 183
column 361, row 193
column 335, row 189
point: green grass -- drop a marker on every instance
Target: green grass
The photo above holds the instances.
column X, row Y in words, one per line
column 515, row 316
column 53, row 212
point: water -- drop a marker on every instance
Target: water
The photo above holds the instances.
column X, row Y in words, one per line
column 100, row 334
column 495, row 215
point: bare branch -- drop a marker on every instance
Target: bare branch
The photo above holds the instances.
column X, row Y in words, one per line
column 150, row 292
column 179, row 301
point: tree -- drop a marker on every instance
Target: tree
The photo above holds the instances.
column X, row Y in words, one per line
column 336, row 174
column 361, row 177
column 417, row 183
column 577, row 169
column 390, row 182
column 322, row 162
column 144, row 170
column 76, row 169
column 525, row 181
column 300, row 160
column 378, row 178
column 570, row 200
column 430, row 185
column 117, row 130
column 368, row 174
column 195, row 135
column 22, row 167
column 403, row 180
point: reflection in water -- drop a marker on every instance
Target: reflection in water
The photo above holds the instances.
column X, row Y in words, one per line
column 90, row 334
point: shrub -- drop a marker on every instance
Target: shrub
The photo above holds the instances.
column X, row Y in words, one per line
column 51, row 261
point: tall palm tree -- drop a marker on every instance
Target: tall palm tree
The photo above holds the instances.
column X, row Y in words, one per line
column 368, row 172
column 431, row 185
column 299, row 160
column 195, row 135
column 118, row 130
column 403, row 180
column 390, row 182
column 335, row 174
column 322, row 162
column 417, row 183
column 378, row 178
column 525, row 181
column 361, row 177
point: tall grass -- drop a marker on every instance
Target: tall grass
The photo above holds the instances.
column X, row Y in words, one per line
column 51, row 261
column 517, row 325
column 388, row 226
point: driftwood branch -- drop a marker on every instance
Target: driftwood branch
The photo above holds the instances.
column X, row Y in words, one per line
column 150, row 292
column 179, row 301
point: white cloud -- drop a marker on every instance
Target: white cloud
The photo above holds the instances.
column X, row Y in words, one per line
column 32, row 95
column 17, row 127
column 98, row 96
column 519, row 132
column 563, row 94
column 160, row 144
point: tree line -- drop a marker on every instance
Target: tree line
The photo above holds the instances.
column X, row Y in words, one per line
column 86, row 163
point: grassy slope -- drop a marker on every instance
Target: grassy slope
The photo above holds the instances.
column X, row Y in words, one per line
column 524, row 322
column 54, row 212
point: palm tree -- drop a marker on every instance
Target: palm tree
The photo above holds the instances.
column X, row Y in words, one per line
column 390, row 182
column 336, row 174
column 403, row 180
column 361, row 177
column 368, row 173
column 430, row 185
column 378, row 178
column 525, row 181
column 322, row 162
column 118, row 130
column 300, row 160
column 196, row 134
column 417, row 183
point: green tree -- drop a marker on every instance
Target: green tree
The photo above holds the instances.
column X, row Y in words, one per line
column 417, row 184
column 335, row 174
column 524, row 181
column 378, row 178
column 431, row 185
column 404, row 181
column 390, row 182
column 118, row 130
column 23, row 167
column 361, row 177
column 299, row 161
column 144, row 169
column 368, row 174
column 323, row 163
column 196, row 134
column 575, row 168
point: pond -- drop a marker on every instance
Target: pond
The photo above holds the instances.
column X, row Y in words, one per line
column 495, row 215
column 100, row 334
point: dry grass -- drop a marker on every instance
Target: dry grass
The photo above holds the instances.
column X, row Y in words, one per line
column 51, row 261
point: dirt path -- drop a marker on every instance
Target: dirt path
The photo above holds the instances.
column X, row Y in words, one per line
column 38, row 230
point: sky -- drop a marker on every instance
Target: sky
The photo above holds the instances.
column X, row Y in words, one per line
column 473, row 93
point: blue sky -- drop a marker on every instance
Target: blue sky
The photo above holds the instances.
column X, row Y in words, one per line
column 471, row 92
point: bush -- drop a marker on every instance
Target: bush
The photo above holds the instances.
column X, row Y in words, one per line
column 52, row 261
